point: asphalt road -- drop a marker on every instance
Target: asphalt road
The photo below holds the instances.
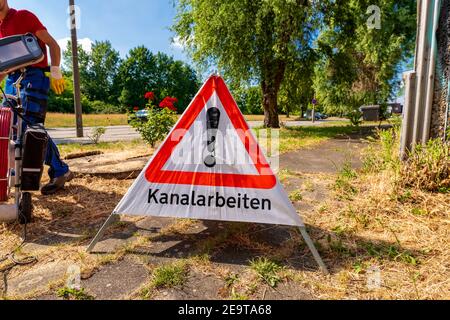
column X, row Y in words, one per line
column 127, row 133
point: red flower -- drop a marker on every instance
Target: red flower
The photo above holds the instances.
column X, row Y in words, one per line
column 149, row 95
column 136, row 108
column 168, row 102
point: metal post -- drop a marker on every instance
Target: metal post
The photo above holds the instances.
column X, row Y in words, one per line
column 408, row 114
column 313, row 250
column 423, row 52
column 76, row 71
column 111, row 219
column 431, row 72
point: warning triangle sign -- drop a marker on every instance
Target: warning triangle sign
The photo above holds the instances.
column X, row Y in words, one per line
column 210, row 167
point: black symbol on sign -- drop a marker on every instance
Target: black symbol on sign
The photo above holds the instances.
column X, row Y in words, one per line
column 212, row 124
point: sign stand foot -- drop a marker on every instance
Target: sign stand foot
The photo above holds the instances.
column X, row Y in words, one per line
column 313, row 250
column 111, row 219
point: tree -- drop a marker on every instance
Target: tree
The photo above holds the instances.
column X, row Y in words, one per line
column 248, row 98
column 83, row 61
column 360, row 65
column 136, row 76
column 98, row 70
column 250, row 40
column 143, row 71
column 103, row 68
column 296, row 91
column 176, row 79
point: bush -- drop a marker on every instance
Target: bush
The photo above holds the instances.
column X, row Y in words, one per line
column 428, row 167
column 100, row 107
column 158, row 124
column 97, row 133
column 355, row 117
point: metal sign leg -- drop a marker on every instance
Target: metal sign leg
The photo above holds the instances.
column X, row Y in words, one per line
column 313, row 250
column 111, row 219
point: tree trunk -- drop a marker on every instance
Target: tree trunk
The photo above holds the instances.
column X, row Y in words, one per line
column 270, row 103
column 270, row 87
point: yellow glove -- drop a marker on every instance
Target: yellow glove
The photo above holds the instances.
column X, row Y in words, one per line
column 57, row 82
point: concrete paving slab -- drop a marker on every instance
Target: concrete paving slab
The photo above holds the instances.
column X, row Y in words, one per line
column 37, row 278
column 117, row 280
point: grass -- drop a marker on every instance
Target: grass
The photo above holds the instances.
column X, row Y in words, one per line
column 294, row 138
column 73, row 294
column 392, row 222
column 343, row 184
column 260, row 117
column 296, row 196
column 267, row 270
column 67, row 120
column 171, row 275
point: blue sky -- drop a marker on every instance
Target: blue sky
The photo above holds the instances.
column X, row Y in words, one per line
column 125, row 23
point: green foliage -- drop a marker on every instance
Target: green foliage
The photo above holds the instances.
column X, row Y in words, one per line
column 100, row 107
column 296, row 196
column 64, row 102
column 355, row 117
column 231, row 279
column 267, row 270
column 97, row 133
column 248, row 40
column 359, row 65
column 113, row 85
column 344, row 179
column 249, row 99
column 98, row 70
column 428, row 167
column 169, row 276
column 296, row 91
column 143, row 71
column 383, row 153
column 391, row 252
column 73, row 294
column 157, row 126
column 237, row 296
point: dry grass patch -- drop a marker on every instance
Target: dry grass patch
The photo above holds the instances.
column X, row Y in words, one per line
column 67, row 120
column 379, row 222
column 65, row 223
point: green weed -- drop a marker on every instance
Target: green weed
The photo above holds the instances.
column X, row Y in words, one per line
column 169, row 276
column 267, row 270
column 73, row 294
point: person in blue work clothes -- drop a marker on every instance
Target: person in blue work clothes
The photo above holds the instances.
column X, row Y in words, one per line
column 36, row 84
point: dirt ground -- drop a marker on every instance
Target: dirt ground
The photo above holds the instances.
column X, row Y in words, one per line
column 217, row 256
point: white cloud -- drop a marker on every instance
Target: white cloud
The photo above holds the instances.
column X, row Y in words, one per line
column 177, row 43
column 86, row 43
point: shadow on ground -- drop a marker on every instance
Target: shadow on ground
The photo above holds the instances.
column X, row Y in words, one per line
column 236, row 244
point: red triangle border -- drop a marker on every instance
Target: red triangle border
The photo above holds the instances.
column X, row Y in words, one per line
column 264, row 180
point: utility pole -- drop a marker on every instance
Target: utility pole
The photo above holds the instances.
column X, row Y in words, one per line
column 76, row 71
